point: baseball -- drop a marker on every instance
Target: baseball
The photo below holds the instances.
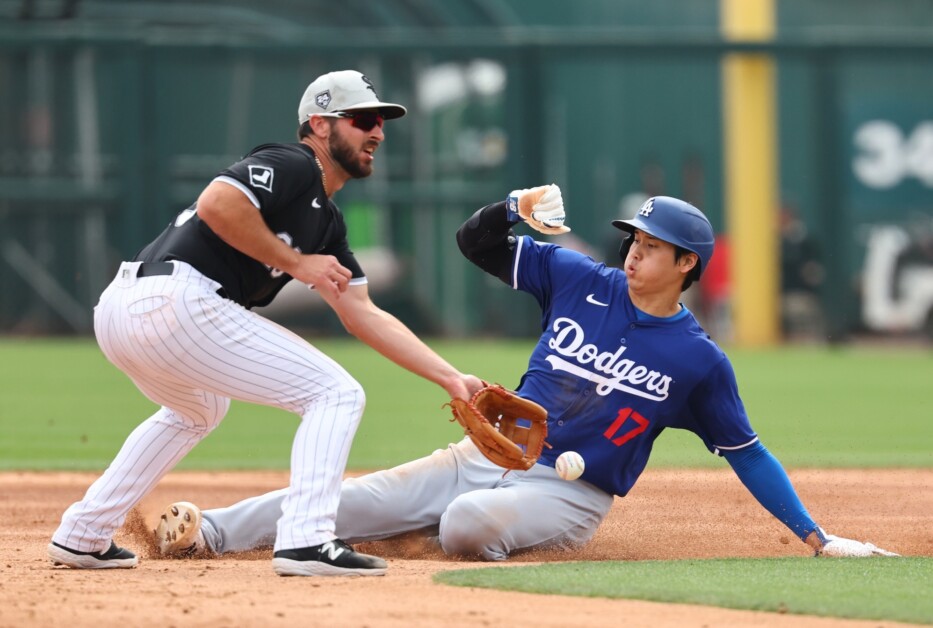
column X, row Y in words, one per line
column 569, row 465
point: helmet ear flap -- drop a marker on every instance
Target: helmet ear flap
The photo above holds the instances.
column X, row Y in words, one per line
column 625, row 246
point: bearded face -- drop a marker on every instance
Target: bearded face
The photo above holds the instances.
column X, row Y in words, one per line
column 353, row 154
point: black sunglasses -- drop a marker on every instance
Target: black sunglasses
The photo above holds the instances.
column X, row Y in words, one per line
column 363, row 120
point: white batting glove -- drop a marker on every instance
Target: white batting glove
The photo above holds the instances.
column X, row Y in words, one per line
column 541, row 207
column 838, row 547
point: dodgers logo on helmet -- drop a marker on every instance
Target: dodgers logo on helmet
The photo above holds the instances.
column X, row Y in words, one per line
column 647, row 208
column 675, row 221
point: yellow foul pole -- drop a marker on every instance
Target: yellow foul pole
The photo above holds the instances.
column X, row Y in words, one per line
column 750, row 154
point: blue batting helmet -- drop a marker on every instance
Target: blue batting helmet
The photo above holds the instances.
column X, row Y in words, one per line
column 674, row 221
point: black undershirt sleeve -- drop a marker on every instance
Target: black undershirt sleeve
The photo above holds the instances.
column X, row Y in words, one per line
column 487, row 240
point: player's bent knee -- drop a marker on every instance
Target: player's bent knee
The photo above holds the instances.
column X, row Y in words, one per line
column 196, row 419
column 359, row 394
column 351, row 396
column 466, row 530
column 346, row 396
column 210, row 415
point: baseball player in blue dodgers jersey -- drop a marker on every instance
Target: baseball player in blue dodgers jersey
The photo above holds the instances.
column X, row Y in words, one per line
column 177, row 321
column 619, row 360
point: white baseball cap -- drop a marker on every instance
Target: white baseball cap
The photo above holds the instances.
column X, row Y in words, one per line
column 344, row 90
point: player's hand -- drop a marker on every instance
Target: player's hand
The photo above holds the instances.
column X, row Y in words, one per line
column 541, row 207
column 323, row 273
column 464, row 386
column 838, row 547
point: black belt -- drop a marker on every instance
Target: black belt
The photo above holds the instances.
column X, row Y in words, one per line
column 154, row 269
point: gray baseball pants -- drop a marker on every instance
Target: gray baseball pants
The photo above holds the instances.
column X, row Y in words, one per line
column 456, row 494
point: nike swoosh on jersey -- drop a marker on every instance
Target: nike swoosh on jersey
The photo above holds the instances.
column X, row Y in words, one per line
column 315, row 204
column 591, row 298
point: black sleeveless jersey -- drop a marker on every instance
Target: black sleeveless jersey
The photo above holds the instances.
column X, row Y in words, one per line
column 285, row 182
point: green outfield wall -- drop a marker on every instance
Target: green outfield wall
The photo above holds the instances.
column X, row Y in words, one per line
column 114, row 115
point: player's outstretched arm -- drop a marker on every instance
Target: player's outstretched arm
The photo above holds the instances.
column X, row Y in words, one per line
column 390, row 337
column 766, row 479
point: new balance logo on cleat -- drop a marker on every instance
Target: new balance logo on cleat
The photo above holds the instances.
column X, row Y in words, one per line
column 333, row 558
column 332, row 551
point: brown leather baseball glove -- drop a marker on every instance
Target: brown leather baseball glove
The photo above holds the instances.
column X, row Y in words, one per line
column 491, row 420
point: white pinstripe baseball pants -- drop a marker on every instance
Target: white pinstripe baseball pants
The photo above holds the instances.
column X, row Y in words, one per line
column 192, row 351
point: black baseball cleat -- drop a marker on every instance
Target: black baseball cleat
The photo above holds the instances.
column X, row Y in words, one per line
column 333, row 558
column 114, row 558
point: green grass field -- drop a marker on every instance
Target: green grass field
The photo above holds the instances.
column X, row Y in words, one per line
column 63, row 406
column 895, row 589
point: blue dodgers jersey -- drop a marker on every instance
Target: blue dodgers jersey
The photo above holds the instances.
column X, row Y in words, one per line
column 612, row 383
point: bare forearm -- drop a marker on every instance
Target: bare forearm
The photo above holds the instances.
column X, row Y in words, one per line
column 390, row 337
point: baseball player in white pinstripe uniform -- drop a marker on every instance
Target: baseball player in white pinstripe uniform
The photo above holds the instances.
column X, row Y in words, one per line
column 177, row 321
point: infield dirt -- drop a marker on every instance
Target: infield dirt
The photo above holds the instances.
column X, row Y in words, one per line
column 670, row 514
